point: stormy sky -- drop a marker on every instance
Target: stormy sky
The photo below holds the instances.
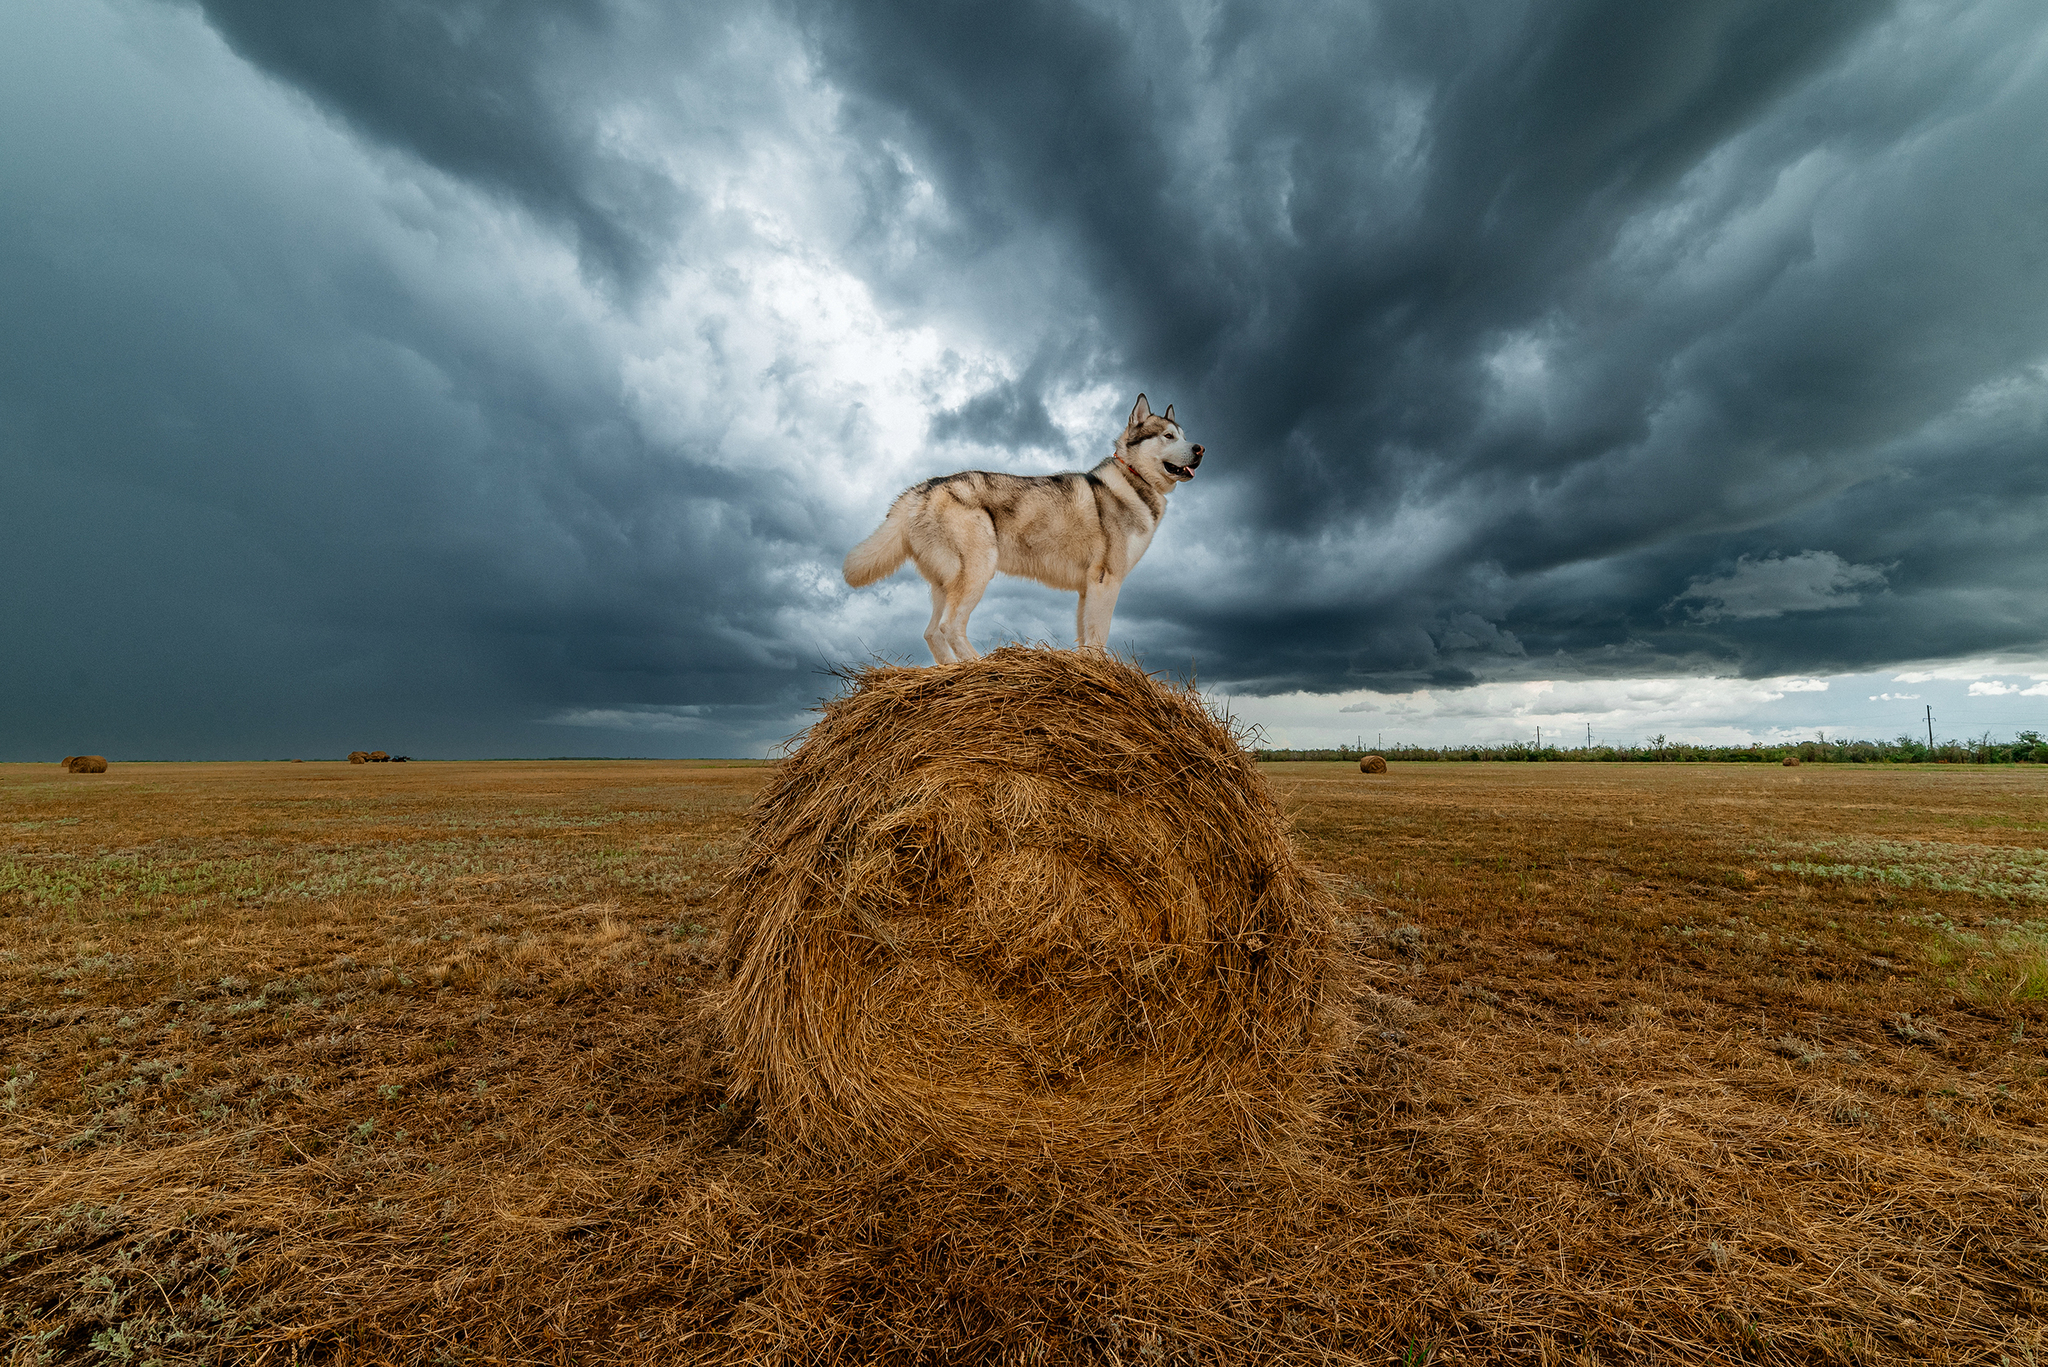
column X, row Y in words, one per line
column 498, row 377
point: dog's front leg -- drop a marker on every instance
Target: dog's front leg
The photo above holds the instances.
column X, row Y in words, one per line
column 1091, row 620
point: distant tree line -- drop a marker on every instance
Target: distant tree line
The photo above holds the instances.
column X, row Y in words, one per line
column 2026, row 748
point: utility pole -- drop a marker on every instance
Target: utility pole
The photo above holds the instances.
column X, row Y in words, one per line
column 1589, row 735
column 1930, row 730
column 1539, row 738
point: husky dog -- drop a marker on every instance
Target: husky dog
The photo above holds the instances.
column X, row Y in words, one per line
column 1074, row 531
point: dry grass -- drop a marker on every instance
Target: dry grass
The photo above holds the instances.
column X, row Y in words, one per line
column 405, row 1063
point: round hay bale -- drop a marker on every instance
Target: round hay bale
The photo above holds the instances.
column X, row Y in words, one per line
column 1037, row 905
column 379, row 757
column 359, row 757
column 1791, row 761
column 1372, row 764
column 86, row 764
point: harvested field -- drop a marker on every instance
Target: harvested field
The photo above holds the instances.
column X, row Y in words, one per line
column 1660, row 1063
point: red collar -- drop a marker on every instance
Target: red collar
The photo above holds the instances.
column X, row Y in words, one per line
column 1126, row 464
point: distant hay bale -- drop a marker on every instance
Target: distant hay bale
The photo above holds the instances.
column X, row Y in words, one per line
column 1033, row 905
column 85, row 764
column 1372, row 764
column 379, row 757
column 1791, row 761
column 359, row 757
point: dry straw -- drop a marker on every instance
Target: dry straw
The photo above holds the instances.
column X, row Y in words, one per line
column 1537, row 1153
column 1791, row 761
column 1372, row 764
column 1037, row 905
column 85, row 764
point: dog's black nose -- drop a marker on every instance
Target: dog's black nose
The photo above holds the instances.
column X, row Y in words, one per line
column 1198, row 455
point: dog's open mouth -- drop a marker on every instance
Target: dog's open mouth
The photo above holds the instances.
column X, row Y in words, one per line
column 1179, row 471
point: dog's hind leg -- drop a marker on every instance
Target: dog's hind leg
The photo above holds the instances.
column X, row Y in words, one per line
column 934, row 632
column 977, row 546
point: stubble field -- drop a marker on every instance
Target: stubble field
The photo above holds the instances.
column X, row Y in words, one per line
column 322, row 1062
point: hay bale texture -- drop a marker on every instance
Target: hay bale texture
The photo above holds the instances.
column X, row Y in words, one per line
column 1791, row 761
column 1036, row 905
column 359, row 757
column 85, row 764
column 1372, row 764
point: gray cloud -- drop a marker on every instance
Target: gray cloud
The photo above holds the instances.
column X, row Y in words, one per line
column 518, row 373
column 1011, row 416
column 1811, row 581
column 1584, row 298
column 511, row 97
column 305, row 446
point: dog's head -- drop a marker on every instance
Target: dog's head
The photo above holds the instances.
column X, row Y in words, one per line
column 1154, row 444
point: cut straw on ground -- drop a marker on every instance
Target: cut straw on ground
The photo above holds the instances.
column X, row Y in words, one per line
column 410, row 1063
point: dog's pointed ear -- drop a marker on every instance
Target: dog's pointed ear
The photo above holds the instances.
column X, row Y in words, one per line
column 1169, row 413
column 1139, row 412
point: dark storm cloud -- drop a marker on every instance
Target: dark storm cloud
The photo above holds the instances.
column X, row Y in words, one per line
column 1011, row 415
column 487, row 91
column 303, row 452
column 1541, row 339
column 1633, row 290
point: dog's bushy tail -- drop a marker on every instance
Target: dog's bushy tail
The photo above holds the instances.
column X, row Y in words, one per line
column 884, row 550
